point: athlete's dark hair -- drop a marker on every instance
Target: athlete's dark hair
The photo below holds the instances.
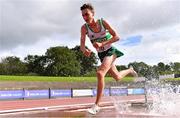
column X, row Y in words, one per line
column 87, row 6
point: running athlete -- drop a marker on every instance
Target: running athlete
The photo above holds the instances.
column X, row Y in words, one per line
column 101, row 35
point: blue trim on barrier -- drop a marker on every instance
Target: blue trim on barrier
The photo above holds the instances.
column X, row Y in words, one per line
column 118, row 91
column 61, row 93
column 11, row 94
column 28, row 94
column 49, row 93
column 136, row 91
column 106, row 92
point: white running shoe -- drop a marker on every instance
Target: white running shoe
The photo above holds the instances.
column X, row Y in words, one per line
column 94, row 109
column 133, row 72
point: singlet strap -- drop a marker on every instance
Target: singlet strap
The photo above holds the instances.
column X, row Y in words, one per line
column 101, row 24
column 87, row 29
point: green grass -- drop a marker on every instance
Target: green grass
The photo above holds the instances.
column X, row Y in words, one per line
column 58, row 79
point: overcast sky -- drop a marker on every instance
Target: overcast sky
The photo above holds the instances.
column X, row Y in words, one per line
column 149, row 30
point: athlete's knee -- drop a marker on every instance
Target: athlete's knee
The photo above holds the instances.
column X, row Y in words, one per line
column 119, row 77
column 100, row 73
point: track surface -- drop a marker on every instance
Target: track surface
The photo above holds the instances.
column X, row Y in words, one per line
column 74, row 107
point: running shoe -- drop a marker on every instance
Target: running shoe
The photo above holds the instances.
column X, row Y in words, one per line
column 133, row 72
column 94, row 109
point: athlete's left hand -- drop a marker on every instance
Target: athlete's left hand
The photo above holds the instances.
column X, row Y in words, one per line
column 97, row 45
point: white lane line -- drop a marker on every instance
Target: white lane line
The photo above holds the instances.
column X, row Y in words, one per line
column 107, row 107
column 60, row 107
column 49, row 107
column 22, row 112
column 142, row 114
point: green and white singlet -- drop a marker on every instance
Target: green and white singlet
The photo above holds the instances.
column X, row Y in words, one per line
column 102, row 35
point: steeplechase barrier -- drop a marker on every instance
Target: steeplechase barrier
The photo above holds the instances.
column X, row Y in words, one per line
column 59, row 93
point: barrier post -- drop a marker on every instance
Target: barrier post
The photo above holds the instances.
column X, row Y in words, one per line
column 49, row 93
column 71, row 93
column 23, row 94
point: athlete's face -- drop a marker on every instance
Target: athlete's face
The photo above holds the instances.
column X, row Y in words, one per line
column 87, row 15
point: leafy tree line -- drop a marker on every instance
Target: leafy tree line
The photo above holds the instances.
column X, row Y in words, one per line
column 154, row 71
column 62, row 61
column 57, row 61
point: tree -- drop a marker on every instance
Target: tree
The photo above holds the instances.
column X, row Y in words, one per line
column 168, row 69
column 62, row 61
column 140, row 67
column 2, row 69
column 121, row 67
column 13, row 66
column 87, row 64
column 145, row 70
column 36, row 64
column 175, row 67
column 161, row 68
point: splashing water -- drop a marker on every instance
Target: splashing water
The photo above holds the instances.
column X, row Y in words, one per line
column 165, row 98
column 120, row 106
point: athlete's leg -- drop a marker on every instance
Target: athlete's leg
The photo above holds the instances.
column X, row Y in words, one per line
column 101, row 72
column 114, row 72
column 119, row 75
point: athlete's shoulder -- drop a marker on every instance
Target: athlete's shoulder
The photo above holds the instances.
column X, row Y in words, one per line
column 83, row 28
column 103, row 22
column 102, row 19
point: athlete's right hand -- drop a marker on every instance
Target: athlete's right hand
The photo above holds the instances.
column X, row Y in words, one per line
column 87, row 53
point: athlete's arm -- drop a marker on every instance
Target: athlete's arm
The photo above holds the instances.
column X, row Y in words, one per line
column 85, row 51
column 114, row 38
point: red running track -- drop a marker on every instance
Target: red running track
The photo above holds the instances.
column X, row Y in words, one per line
column 61, row 102
column 68, row 107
